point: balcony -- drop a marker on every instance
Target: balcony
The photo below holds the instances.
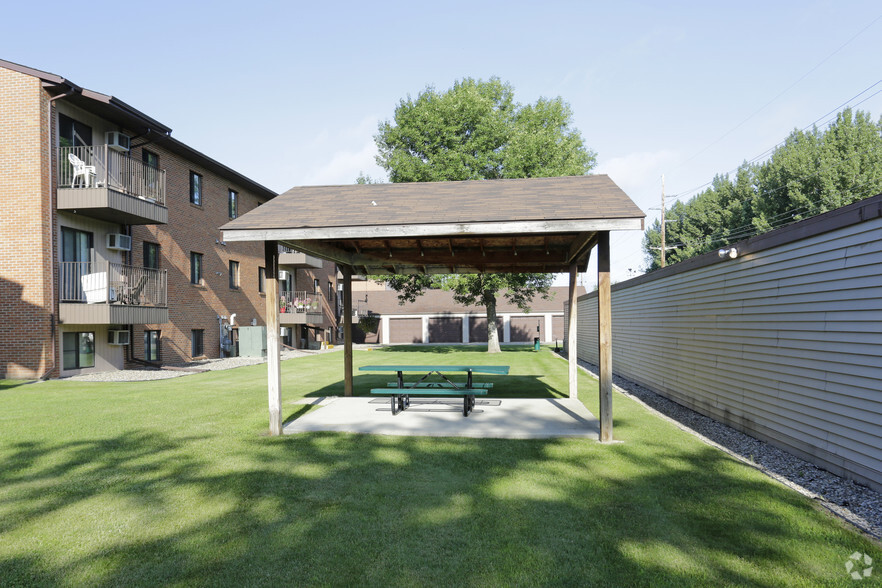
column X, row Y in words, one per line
column 301, row 308
column 104, row 293
column 103, row 183
column 294, row 259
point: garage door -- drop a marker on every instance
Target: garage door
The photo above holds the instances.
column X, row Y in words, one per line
column 557, row 328
column 523, row 328
column 445, row 330
column 405, row 330
column 478, row 329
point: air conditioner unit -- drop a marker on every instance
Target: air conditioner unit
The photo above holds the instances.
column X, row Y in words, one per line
column 117, row 141
column 283, row 275
column 119, row 242
column 118, row 337
column 283, row 331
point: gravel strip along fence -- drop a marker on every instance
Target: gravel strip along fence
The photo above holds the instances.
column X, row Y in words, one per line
column 188, row 369
column 859, row 505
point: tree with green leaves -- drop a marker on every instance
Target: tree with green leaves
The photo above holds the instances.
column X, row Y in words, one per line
column 476, row 131
column 812, row 172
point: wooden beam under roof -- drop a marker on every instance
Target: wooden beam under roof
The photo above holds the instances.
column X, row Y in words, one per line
column 580, row 245
column 323, row 250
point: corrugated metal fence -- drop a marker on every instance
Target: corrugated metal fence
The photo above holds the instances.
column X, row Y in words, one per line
column 784, row 342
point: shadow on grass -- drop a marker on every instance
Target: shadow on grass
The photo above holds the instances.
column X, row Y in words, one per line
column 10, row 384
column 370, row 510
column 299, row 412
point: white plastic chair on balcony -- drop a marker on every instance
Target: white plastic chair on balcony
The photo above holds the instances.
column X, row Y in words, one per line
column 81, row 169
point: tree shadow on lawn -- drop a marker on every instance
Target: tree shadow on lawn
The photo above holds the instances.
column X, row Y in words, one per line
column 148, row 509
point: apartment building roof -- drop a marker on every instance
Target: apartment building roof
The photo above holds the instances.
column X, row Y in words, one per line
column 147, row 128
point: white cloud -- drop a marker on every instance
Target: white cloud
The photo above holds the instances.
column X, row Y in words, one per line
column 336, row 155
column 345, row 165
column 639, row 172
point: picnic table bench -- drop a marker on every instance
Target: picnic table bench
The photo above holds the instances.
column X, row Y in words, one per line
column 402, row 391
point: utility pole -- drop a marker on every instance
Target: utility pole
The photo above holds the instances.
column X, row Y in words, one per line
column 663, row 223
column 664, row 248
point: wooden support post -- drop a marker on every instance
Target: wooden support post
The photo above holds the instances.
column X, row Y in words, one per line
column 347, row 331
column 273, row 339
column 572, row 340
column 604, row 337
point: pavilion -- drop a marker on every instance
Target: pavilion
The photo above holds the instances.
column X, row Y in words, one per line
column 547, row 225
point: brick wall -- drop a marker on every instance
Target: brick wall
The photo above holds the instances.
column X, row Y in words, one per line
column 195, row 229
column 28, row 245
column 26, row 236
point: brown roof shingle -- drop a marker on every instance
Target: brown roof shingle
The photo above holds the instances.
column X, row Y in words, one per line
column 476, row 201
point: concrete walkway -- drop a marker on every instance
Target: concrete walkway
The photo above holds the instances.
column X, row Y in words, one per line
column 501, row 418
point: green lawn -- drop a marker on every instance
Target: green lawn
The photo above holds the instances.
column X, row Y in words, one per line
column 176, row 483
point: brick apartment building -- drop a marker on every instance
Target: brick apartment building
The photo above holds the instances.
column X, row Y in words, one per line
column 110, row 252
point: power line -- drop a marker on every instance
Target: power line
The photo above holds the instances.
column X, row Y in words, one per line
column 787, row 89
column 835, row 111
column 768, row 151
column 776, row 221
column 728, row 233
column 816, row 174
column 749, row 230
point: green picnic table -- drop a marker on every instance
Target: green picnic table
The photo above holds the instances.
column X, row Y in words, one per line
column 401, row 393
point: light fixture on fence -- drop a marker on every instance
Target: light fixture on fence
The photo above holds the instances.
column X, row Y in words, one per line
column 730, row 253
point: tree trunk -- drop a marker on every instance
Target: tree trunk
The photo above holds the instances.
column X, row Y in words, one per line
column 492, row 335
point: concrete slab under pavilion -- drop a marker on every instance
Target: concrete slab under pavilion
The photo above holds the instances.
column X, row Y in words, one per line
column 542, row 225
column 492, row 418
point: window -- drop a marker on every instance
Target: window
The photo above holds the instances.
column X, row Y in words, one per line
column 330, row 292
column 78, row 350
column 150, row 158
column 234, row 204
column 151, row 173
column 196, row 342
column 76, row 246
column 261, row 280
column 151, row 255
column 234, row 274
column 151, row 345
column 315, row 286
column 76, row 257
column 73, row 133
column 195, row 189
column 195, row 268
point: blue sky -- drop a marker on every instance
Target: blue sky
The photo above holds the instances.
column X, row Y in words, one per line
column 291, row 93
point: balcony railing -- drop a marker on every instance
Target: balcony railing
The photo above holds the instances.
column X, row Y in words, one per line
column 99, row 166
column 300, row 302
column 104, row 282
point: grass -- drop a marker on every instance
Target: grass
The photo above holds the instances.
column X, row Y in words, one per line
column 175, row 483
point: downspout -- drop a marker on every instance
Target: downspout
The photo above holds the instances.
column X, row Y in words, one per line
column 53, row 221
column 130, row 348
column 220, row 341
